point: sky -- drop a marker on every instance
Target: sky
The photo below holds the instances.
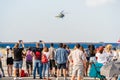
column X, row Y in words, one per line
column 84, row 21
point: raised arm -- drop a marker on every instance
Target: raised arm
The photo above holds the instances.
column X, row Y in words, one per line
column 22, row 43
column 43, row 43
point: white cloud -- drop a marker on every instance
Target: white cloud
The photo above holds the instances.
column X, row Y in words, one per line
column 93, row 3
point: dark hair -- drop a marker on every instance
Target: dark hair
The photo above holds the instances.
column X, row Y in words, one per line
column 30, row 48
column 91, row 47
column 77, row 45
column 64, row 45
column 61, row 45
column 51, row 44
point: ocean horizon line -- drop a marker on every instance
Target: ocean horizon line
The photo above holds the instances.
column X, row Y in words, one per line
column 58, row 42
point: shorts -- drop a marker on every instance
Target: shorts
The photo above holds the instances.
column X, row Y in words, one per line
column 88, row 59
column 61, row 66
column 52, row 64
column 10, row 61
column 18, row 64
column 79, row 69
column 29, row 63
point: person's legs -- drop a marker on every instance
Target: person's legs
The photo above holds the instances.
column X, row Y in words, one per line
column 58, row 69
column 64, row 70
column 80, row 78
column 58, row 73
column 53, row 67
column 31, row 68
column 2, row 69
column 27, row 67
column 40, row 69
column 47, row 70
column 16, row 67
column 8, row 69
column 11, row 69
column 80, row 73
column 74, row 70
column 73, row 77
column 44, row 69
column 20, row 68
column 34, row 70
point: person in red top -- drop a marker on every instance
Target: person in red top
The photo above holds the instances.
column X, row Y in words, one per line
column 37, row 60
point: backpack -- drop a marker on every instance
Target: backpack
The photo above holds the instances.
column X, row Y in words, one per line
column 28, row 56
column 37, row 55
column 44, row 58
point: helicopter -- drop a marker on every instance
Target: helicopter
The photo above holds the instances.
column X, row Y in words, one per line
column 61, row 15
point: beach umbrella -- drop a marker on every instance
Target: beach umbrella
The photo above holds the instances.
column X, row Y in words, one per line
column 111, row 69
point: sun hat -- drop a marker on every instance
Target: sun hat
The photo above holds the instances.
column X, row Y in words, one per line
column 7, row 47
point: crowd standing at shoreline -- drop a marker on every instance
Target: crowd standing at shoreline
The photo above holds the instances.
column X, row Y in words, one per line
column 51, row 62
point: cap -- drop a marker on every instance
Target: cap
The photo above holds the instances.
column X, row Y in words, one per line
column 7, row 47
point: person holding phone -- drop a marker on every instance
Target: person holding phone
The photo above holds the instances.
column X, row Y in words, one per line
column 37, row 59
column 18, row 59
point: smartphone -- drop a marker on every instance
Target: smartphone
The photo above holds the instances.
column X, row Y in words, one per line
column 20, row 40
column 40, row 40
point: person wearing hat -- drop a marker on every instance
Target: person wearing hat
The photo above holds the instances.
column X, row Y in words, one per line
column 9, row 60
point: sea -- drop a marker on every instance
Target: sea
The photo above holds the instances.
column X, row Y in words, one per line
column 56, row 45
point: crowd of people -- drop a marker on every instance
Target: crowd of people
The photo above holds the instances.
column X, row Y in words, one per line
column 51, row 62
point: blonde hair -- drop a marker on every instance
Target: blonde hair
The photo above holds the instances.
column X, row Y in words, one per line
column 108, row 47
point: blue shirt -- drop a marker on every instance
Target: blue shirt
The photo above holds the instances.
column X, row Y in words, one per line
column 61, row 56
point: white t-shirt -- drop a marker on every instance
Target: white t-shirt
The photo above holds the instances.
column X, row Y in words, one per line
column 77, row 57
column 9, row 55
column 101, row 58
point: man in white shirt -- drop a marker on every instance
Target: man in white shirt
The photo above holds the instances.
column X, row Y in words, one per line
column 101, row 56
column 77, row 58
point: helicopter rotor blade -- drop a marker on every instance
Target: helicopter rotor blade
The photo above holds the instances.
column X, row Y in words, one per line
column 62, row 11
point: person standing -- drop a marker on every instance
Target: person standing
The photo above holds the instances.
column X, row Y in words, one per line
column 45, row 61
column 9, row 58
column 52, row 59
column 37, row 60
column 78, row 60
column 29, row 61
column 18, row 59
column 1, row 56
column 61, row 60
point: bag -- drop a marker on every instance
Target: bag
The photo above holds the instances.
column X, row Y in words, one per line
column 37, row 55
column 28, row 56
column 44, row 58
column 22, row 73
column 95, row 71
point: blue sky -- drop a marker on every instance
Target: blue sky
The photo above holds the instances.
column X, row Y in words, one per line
column 84, row 21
